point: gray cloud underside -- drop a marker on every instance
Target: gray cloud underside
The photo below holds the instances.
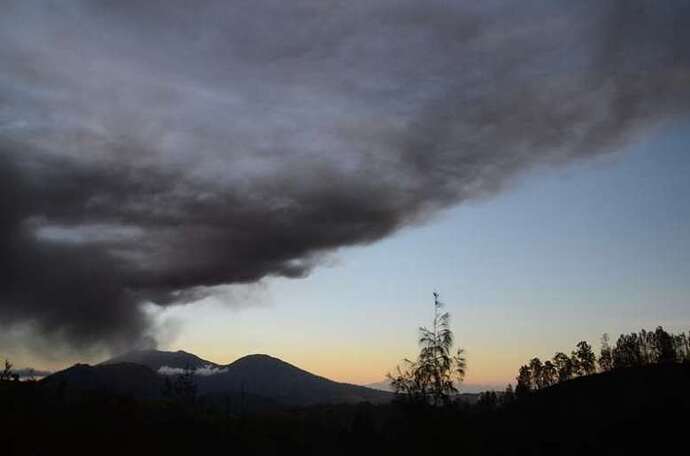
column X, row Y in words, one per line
column 151, row 149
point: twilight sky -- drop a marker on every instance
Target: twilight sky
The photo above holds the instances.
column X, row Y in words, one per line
column 296, row 177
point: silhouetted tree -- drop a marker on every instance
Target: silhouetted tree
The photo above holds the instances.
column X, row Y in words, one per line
column 434, row 375
column 665, row 349
column 575, row 365
column 626, row 353
column 407, row 384
column 681, row 344
column 634, row 349
column 605, row 354
column 508, row 395
column 536, row 367
column 646, row 346
column 524, row 382
column 586, row 358
column 488, row 400
column 549, row 374
column 7, row 374
column 564, row 366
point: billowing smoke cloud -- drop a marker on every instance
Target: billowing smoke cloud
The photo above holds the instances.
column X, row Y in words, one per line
column 152, row 150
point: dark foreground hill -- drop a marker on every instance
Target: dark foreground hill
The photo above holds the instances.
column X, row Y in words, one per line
column 633, row 411
column 641, row 410
column 255, row 376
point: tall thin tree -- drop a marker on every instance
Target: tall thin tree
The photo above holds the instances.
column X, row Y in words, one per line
column 437, row 372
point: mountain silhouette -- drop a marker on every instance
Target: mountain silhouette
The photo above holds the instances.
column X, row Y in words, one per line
column 129, row 379
column 271, row 377
column 155, row 359
column 142, row 374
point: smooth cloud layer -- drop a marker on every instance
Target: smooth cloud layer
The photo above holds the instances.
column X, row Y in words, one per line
column 151, row 151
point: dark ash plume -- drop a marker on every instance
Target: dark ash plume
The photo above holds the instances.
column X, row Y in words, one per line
column 151, row 150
